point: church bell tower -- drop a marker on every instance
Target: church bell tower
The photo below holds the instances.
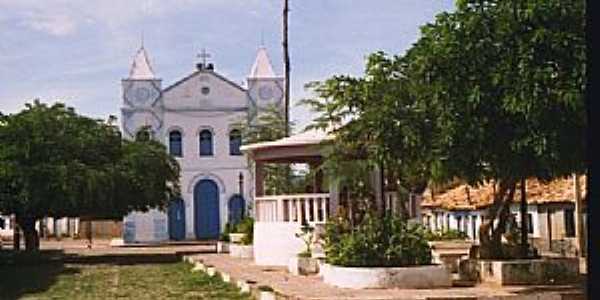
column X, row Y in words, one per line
column 141, row 98
column 264, row 87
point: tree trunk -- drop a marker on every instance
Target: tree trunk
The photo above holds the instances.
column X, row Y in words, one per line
column 490, row 237
column 32, row 238
column 89, row 234
column 524, row 224
column 16, row 237
column 286, row 64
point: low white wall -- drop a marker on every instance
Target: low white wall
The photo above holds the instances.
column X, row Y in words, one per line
column 275, row 243
column 149, row 227
column 433, row 276
column 241, row 251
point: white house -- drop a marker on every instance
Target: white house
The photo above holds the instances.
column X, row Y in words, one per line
column 550, row 208
column 196, row 118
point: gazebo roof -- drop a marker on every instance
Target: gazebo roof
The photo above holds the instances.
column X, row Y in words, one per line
column 302, row 146
column 309, row 137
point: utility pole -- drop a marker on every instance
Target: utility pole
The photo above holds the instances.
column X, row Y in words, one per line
column 286, row 65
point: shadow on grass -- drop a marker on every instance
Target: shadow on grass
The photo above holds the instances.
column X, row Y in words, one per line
column 24, row 273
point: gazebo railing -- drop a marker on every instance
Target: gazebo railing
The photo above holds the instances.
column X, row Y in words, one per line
column 314, row 208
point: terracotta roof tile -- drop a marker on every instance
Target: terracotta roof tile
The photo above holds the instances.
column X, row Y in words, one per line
column 466, row 197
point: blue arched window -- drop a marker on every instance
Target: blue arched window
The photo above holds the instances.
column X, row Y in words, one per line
column 206, row 143
column 235, row 142
column 175, row 143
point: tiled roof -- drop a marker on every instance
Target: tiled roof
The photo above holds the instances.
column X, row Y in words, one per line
column 466, row 197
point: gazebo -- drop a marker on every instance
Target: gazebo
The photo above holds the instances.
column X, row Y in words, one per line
column 279, row 217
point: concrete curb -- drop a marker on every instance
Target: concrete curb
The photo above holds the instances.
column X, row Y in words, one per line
column 245, row 286
column 252, row 288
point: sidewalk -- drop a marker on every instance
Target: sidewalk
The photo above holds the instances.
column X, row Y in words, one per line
column 312, row 287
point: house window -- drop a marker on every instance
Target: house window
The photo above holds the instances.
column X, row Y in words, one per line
column 175, row 143
column 206, row 143
column 459, row 226
column 235, row 142
column 474, row 227
column 569, row 222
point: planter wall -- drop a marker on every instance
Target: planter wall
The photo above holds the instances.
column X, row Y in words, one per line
column 303, row 265
column 449, row 253
column 529, row 271
column 417, row 277
column 222, row 247
column 241, row 251
column 236, row 238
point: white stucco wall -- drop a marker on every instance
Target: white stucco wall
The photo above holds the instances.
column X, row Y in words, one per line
column 275, row 243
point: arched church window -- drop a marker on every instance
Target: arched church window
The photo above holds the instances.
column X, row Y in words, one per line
column 206, row 143
column 175, row 143
column 235, row 142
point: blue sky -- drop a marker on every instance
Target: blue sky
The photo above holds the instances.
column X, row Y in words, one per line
column 78, row 51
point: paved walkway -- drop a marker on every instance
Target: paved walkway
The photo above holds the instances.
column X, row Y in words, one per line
column 103, row 247
column 312, row 287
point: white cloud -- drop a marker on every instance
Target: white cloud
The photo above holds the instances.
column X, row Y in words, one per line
column 56, row 25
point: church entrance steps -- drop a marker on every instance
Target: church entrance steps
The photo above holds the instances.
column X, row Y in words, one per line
column 248, row 276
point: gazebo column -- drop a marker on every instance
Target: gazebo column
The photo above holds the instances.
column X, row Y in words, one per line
column 377, row 185
column 259, row 190
column 259, row 178
column 334, row 198
column 317, row 186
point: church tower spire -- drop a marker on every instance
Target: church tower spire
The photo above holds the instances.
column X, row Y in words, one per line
column 265, row 88
column 262, row 67
column 140, row 68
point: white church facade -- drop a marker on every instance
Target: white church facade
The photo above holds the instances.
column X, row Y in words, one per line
column 197, row 118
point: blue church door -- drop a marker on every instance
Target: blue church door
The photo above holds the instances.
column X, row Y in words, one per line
column 177, row 220
column 206, row 210
column 236, row 207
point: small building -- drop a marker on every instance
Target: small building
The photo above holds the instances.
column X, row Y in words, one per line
column 550, row 208
column 279, row 217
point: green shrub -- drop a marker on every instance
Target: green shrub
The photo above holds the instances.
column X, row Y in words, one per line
column 224, row 237
column 246, row 226
column 376, row 242
column 306, row 234
column 447, row 235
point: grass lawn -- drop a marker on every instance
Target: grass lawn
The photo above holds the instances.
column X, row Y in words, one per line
column 100, row 280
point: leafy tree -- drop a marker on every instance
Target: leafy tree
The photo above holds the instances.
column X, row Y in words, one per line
column 492, row 91
column 269, row 126
column 384, row 127
column 508, row 80
column 56, row 163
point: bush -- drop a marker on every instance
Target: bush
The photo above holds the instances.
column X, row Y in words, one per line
column 306, row 234
column 376, row 242
column 447, row 235
column 224, row 237
column 246, row 226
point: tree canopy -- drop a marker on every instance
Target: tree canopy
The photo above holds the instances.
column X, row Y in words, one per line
column 491, row 91
column 54, row 162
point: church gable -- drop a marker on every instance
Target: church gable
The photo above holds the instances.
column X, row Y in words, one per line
column 205, row 90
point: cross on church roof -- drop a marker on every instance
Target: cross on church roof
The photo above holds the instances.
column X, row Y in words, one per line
column 204, row 55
